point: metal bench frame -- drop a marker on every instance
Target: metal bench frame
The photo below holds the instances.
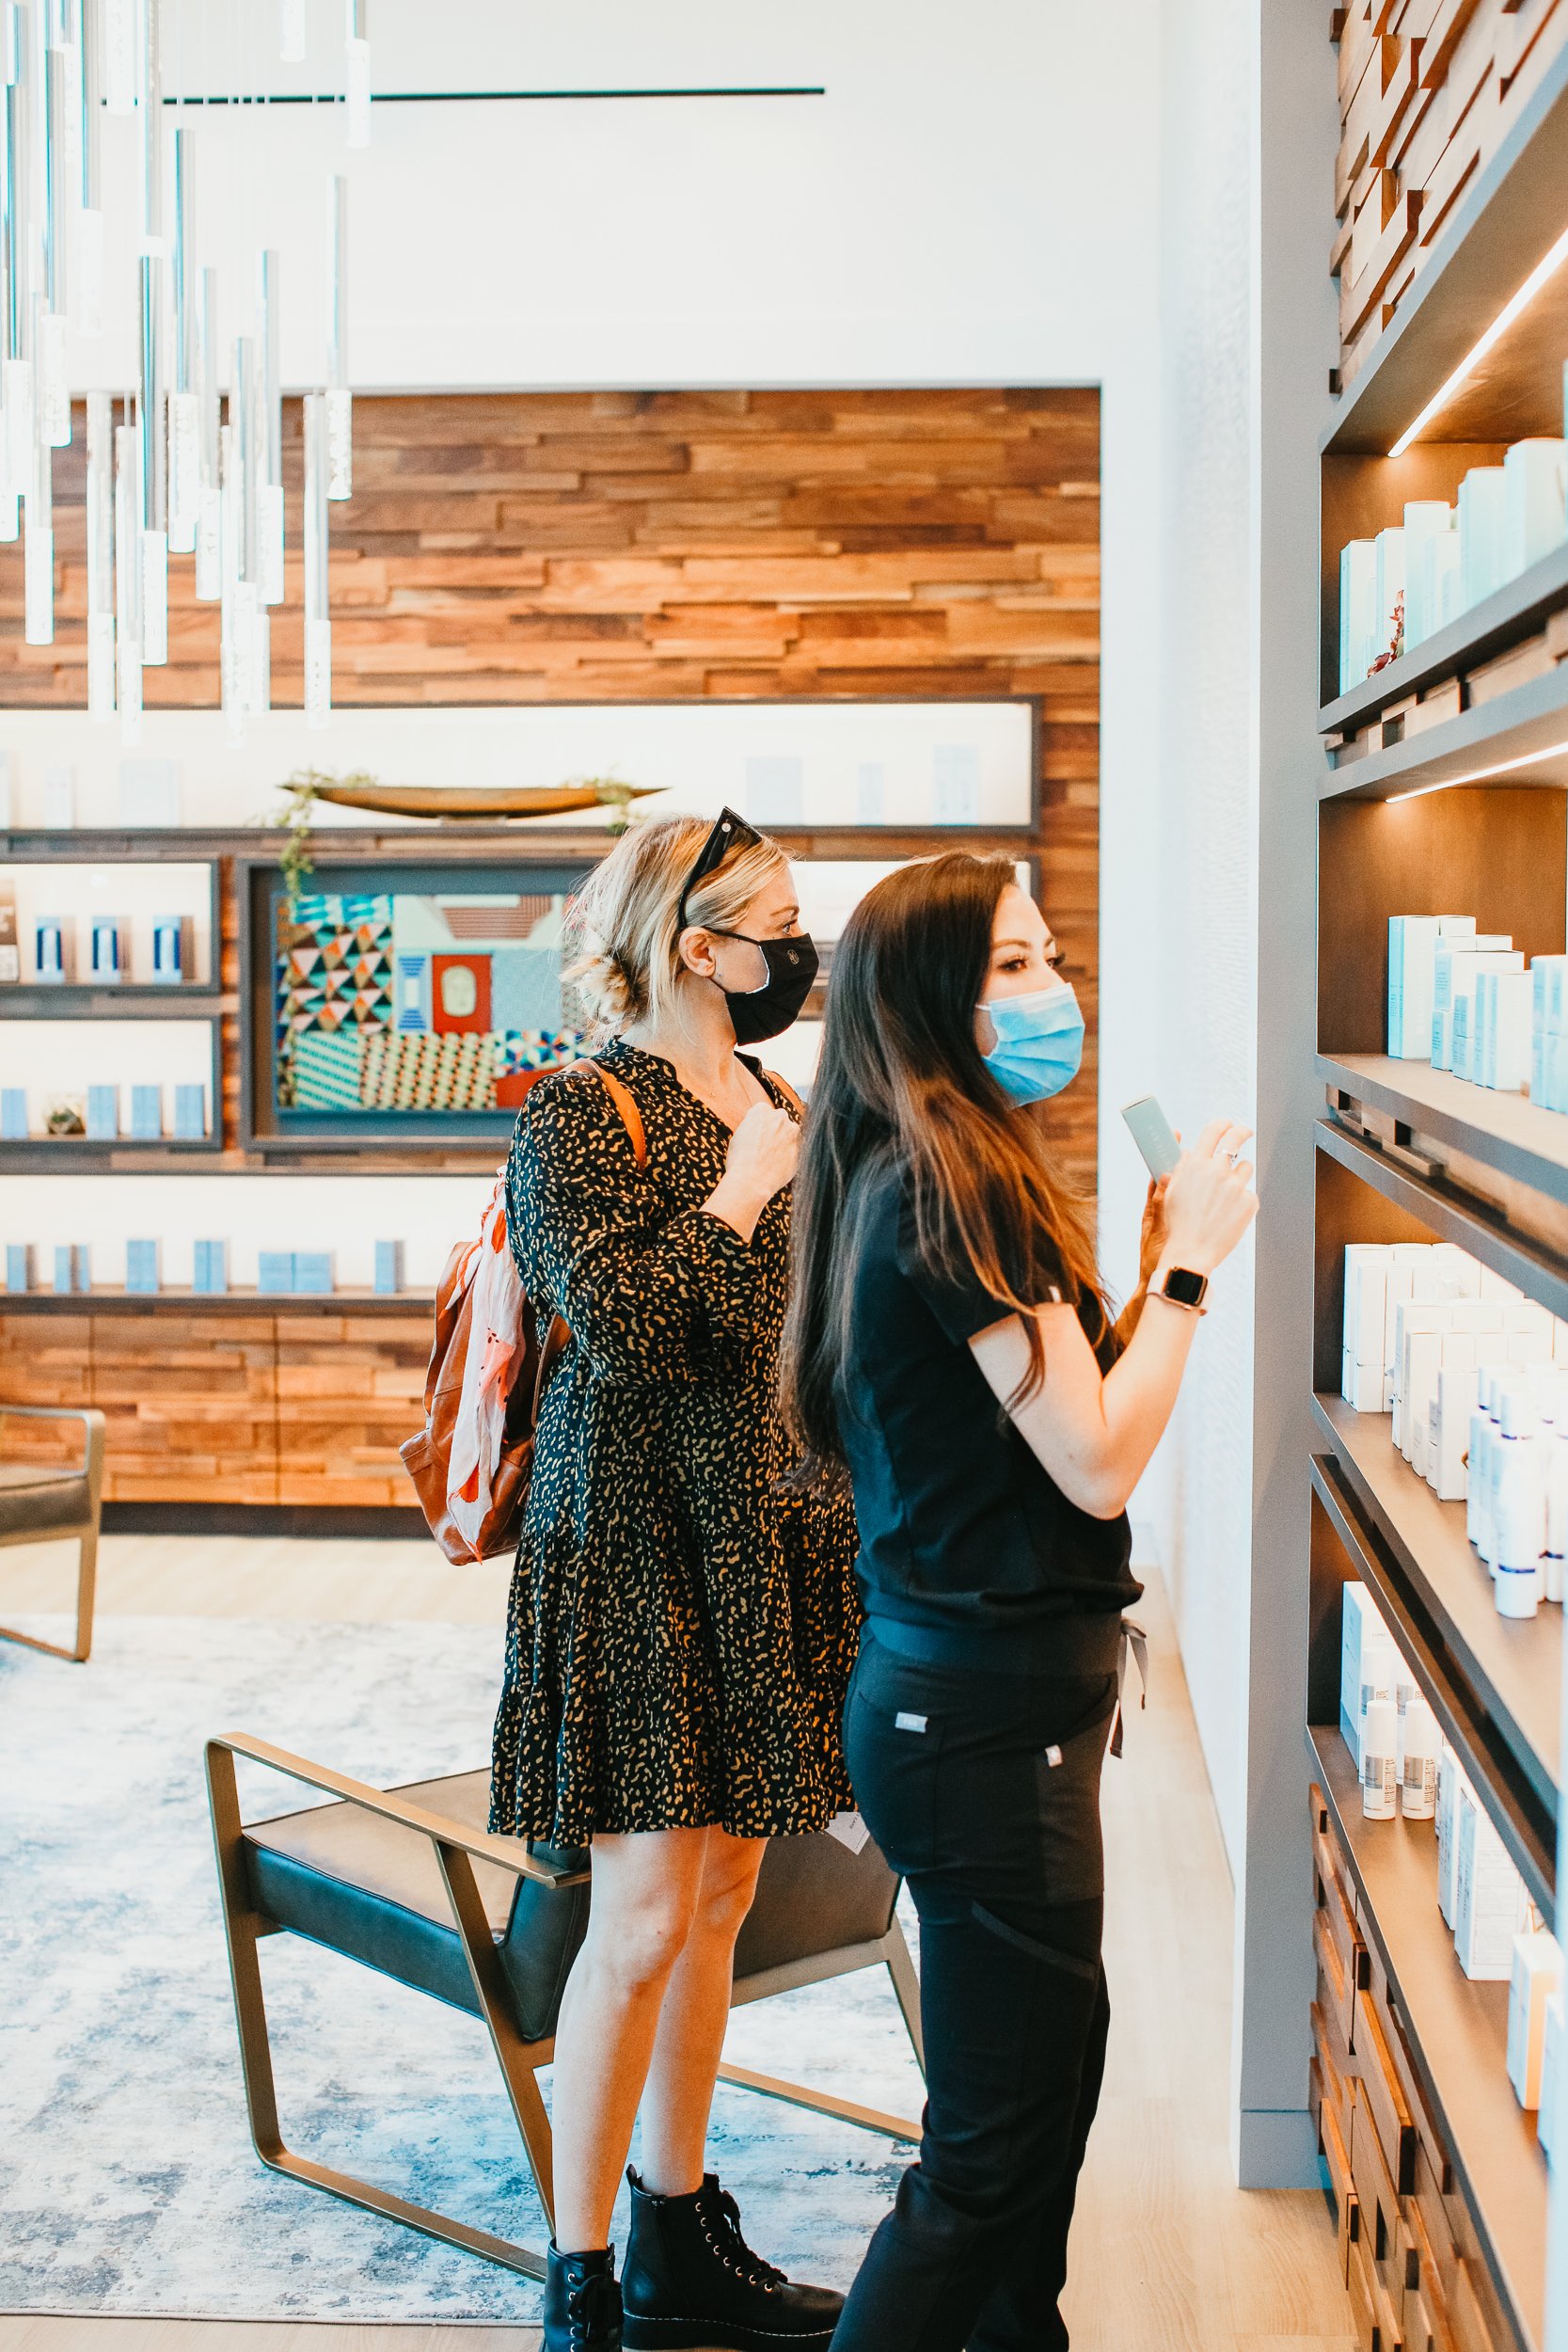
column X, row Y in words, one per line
column 456, row 1849
column 85, row 1532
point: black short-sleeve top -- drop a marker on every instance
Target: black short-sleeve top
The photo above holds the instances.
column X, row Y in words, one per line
column 960, row 1527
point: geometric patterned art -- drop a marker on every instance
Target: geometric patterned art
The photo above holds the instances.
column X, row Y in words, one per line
column 334, row 974
column 451, row 1073
column 327, row 1067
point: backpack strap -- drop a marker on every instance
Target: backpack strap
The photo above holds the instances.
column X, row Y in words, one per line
column 626, row 1103
column 786, row 1091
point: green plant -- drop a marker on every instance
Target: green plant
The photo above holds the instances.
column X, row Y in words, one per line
column 616, row 794
column 302, row 788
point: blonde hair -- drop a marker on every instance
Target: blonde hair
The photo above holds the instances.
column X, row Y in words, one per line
column 623, row 929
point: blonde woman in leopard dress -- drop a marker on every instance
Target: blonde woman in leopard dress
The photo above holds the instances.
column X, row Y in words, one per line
column 680, row 1634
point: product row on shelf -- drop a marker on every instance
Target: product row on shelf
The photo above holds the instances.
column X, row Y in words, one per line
column 100, row 1115
column 1406, row 1766
column 1413, row 578
column 108, row 954
column 279, row 1272
column 1465, row 1000
column 1475, row 1377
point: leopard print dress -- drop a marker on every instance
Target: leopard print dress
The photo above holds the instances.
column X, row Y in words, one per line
column 680, row 1635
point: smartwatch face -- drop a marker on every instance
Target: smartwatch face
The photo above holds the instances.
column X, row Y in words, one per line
column 1185, row 1286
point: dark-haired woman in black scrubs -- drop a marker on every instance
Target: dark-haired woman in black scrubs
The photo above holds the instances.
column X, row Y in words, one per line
column 949, row 1347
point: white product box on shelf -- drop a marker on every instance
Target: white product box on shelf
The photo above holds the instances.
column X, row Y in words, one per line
column 1428, row 529
column 1412, row 967
column 1465, row 1026
column 1449, row 950
column 1481, row 497
column 1388, row 588
column 1536, row 1979
column 1490, row 1902
column 1534, row 518
column 1450, row 1440
column 1357, row 611
column 1413, row 1318
column 1367, row 1269
column 1551, row 2059
column 1450, row 1778
column 1508, row 1035
column 1361, row 1385
column 1369, row 1663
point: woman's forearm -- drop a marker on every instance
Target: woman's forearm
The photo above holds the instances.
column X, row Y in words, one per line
column 1140, row 1388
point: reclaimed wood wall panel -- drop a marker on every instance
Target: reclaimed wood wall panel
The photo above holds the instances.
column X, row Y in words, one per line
column 1428, row 90
column 215, row 1405
column 587, row 546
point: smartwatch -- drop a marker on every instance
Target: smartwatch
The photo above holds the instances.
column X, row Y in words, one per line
column 1185, row 1288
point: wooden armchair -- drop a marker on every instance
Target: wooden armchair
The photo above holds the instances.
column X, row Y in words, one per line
column 42, row 1501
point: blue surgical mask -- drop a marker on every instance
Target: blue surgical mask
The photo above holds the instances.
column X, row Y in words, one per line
column 1039, row 1041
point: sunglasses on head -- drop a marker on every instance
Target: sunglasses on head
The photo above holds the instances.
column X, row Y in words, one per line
column 730, row 832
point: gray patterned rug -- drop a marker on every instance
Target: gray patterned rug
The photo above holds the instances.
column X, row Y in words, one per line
column 127, row 2181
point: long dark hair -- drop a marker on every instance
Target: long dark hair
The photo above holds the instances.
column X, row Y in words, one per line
column 902, row 1081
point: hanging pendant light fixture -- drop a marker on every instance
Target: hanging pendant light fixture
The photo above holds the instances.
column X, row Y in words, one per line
column 174, row 477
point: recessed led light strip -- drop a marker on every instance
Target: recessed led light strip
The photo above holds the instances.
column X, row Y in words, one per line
column 1481, row 775
column 1543, row 270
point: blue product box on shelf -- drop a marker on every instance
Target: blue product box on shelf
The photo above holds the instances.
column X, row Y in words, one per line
column 190, row 1114
column 211, row 1274
column 314, row 1273
column 72, row 1267
column 141, row 1266
column 13, row 1114
column 275, row 1271
column 389, row 1267
column 19, row 1265
column 102, row 1113
column 147, row 1114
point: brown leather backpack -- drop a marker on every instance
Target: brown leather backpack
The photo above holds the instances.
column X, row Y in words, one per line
column 427, row 1456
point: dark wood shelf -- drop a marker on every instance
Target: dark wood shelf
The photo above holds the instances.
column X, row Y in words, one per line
column 1457, row 2033
column 1452, row 1214
column 1516, row 611
column 111, row 1297
column 1514, row 1665
column 1527, row 724
column 74, row 1154
column 190, row 1001
column 1505, row 1132
column 1500, row 230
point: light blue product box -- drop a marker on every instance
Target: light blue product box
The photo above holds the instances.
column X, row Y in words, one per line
column 72, row 1267
column 190, row 1114
column 168, row 950
column 52, row 951
column 211, row 1277
column 1357, row 611
column 1483, row 1040
column 19, row 1265
column 1412, row 956
column 1538, row 1069
column 314, row 1272
column 1551, row 992
column 275, row 1272
column 102, row 1113
column 1461, row 1015
column 13, row 1114
column 1556, row 1074
column 105, row 951
column 141, row 1266
column 389, row 1267
column 147, row 1114
column 1352, row 1627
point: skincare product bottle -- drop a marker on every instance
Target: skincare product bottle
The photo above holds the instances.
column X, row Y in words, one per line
column 1519, row 1508
column 1357, row 611
column 1553, row 1563
column 1477, row 1501
column 1537, row 1975
column 1428, row 523
column 1481, row 497
column 1379, row 1760
column 1419, row 1767
column 1534, row 520
column 1450, row 1778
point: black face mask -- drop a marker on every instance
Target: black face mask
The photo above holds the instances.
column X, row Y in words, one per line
column 763, row 1013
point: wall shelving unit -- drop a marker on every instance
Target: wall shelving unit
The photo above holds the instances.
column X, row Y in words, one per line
column 1441, row 789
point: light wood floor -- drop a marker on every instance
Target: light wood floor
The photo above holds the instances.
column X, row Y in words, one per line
column 1167, row 2255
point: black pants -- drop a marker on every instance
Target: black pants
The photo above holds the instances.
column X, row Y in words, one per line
column 983, row 1789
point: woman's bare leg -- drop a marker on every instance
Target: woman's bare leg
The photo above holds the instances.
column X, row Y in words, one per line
column 647, row 1893
column 690, row 2037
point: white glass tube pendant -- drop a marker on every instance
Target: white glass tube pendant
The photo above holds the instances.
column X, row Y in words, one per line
column 39, row 550
column 87, row 231
column 101, row 582
column 53, row 389
column 150, row 110
column 291, row 31
column 209, row 525
column 357, row 77
column 318, row 626
column 122, row 52
column 128, row 579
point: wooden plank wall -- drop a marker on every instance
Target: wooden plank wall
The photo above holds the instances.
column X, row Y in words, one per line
column 1427, row 88
column 596, row 545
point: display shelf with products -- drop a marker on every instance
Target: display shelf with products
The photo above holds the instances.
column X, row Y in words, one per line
column 1520, row 736
column 1511, row 613
column 1511, row 1667
column 1504, row 1131
column 1448, row 2036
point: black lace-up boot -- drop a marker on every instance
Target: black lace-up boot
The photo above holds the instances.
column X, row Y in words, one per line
column 582, row 2302
column 690, row 2280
